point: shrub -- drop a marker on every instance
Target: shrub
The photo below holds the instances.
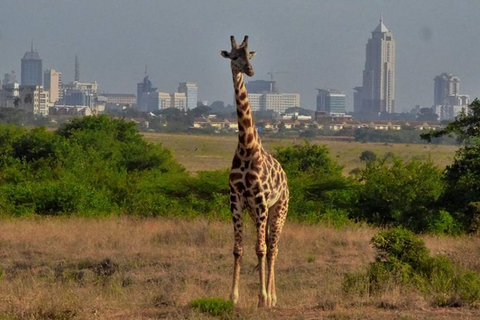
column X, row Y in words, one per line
column 368, row 155
column 90, row 166
column 213, row 306
column 403, row 259
column 317, row 185
column 399, row 194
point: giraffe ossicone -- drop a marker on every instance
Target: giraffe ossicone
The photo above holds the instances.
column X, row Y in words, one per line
column 257, row 182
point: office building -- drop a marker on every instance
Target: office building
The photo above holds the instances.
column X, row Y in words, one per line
column 178, row 100
column 159, row 101
column 255, row 101
column 120, row 98
column 191, row 91
column 32, row 72
column 33, row 99
column 144, row 90
column 279, row 102
column 331, row 102
column 377, row 93
column 52, row 80
column 89, row 87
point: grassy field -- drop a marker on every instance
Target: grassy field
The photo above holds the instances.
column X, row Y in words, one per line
column 211, row 152
column 125, row 268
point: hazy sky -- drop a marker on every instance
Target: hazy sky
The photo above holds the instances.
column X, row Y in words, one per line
column 311, row 44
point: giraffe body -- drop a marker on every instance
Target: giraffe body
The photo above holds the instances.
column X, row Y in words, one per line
column 257, row 184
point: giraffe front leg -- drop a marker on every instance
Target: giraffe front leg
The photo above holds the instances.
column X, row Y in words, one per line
column 237, row 250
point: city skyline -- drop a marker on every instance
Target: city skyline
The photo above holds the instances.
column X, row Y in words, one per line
column 307, row 45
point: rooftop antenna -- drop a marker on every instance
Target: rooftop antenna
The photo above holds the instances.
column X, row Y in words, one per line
column 146, row 70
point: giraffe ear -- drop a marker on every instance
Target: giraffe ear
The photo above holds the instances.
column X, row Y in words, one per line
column 252, row 54
column 225, row 54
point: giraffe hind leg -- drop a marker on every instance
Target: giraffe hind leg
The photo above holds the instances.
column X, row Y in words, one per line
column 277, row 215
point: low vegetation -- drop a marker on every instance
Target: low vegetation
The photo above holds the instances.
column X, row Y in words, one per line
column 96, row 166
column 402, row 261
column 104, row 168
column 213, row 306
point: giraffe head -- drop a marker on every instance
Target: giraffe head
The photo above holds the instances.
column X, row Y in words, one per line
column 240, row 56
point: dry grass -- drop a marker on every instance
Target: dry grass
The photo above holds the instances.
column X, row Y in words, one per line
column 125, row 268
column 212, row 152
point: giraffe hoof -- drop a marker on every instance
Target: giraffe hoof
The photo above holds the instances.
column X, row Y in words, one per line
column 262, row 301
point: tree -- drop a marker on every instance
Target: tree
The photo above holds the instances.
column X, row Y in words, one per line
column 201, row 111
column 427, row 114
column 462, row 178
column 368, row 156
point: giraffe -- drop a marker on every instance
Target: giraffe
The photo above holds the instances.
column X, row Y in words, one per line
column 257, row 184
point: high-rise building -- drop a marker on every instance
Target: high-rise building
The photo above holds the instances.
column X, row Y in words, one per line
column 52, row 81
column 144, row 90
column 34, row 99
column 32, row 72
column 377, row 94
column 447, row 100
column 178, row 100
column 331, row 101
column 445, row 86
column 191, row 91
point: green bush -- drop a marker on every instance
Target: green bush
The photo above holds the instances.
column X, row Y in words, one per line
column 213, row 306
column 403, row 259
column 90, row 166
column 399, row 193
column 317, row 186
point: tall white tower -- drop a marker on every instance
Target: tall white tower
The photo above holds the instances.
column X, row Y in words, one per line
column 377, row 94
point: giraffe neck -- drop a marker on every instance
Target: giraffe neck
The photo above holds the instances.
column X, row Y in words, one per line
column 247, row 133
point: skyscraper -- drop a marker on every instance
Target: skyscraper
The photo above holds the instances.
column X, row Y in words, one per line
column 377, row 94
column 447, row 100
column 191, row 91
column 32, row 73
column 445, row 86
column 331, row 101
column 52, row 80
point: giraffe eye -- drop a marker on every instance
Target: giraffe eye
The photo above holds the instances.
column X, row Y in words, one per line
column 234, row 58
